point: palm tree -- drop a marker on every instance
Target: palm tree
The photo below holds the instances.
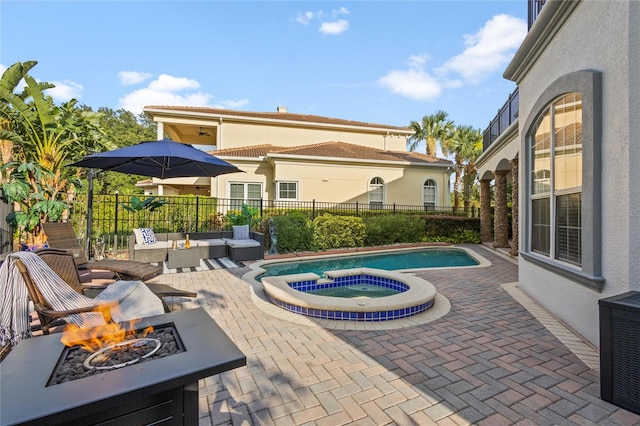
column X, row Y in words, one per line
column 433, row 128
column 463, row 145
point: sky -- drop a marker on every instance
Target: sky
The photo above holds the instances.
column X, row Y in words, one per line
column 385, row 62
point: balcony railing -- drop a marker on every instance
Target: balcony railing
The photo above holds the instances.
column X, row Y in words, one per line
column 535, row 6
column 507, row 115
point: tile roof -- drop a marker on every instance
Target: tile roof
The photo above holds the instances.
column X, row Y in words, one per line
column 284, row 116
column 332, row 150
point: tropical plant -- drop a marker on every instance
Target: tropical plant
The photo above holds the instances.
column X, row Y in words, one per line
column 37, row 138
column 27, row 187
column 432, row 129
column 246, row 216
column 463, row 145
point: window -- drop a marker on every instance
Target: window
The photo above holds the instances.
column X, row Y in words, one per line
column 562, row 218
column 557, row 181
column 244, row 193
column 376, row 192
column 287, row 190
column 429, row 194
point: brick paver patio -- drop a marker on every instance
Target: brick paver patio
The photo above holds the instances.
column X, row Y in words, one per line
column 489, row 361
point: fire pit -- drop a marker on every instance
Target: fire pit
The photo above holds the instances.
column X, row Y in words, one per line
column 156, row 388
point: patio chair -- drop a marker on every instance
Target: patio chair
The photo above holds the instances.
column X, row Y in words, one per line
column 62, row 262
column 26, row 276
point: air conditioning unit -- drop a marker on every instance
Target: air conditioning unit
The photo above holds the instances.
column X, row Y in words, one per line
column 620, row 350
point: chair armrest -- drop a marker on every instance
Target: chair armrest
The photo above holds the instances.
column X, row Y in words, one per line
column 103, row 308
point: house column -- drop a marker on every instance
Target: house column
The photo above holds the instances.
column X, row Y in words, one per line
column 485, row 211
column 514, row 207
column 500, row 223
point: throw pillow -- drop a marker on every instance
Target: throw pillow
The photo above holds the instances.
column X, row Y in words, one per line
column 241, row 232
column 148, row 236
column 138, row 233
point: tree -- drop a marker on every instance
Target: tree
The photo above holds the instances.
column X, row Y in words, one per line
column 38, row 137
column 433, row 128
column 463, row 145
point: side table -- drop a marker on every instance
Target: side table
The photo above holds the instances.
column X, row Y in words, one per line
column 183, row 258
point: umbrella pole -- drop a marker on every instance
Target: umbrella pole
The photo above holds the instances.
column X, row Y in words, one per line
column 87, row 246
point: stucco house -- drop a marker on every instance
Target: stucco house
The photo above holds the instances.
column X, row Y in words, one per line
column 569, row 141
column 298, row 157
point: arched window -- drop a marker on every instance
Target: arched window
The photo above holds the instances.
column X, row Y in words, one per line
column 429, row 194
column 376, row 192
column 562, row 216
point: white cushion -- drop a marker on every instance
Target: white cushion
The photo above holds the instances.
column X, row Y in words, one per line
column 138, row 233
column 242, row 243
column 148, row 237
column 211, row 242
column 241, row 232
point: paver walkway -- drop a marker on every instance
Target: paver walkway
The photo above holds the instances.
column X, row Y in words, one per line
column 489, row 361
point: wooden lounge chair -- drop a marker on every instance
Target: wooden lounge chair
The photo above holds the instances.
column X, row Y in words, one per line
column 61, row 235
column 62, row 262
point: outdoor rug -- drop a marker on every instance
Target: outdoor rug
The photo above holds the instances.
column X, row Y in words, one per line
column 205, row 265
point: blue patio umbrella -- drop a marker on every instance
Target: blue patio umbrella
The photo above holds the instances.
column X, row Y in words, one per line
column 161, row 159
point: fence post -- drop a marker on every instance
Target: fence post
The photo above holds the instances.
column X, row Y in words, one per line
column 313, row 209
column 197, row 211
column 115, row 227
column 357, row 206
column 394, row 208
column 261, row 208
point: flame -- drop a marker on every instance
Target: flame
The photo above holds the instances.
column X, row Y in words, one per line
column 92, row 338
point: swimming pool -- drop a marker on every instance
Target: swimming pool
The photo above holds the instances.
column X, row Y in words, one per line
column 390, row 260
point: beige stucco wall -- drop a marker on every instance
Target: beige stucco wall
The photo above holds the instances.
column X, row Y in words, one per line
column 234, row 135
column 595, row 37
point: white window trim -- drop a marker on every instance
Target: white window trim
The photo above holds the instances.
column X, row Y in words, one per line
column 369, row 191
column 246, row 190
column 435, row 194
column 278, row 198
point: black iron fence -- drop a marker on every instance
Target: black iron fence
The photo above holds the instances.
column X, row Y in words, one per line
column 535, row 6
column 112, row 222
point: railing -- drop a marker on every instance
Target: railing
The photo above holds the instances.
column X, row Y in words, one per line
column 112, row 223
column 535, row 6
column 506, row 115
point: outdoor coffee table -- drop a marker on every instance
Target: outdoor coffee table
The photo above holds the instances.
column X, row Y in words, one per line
column 183, row 258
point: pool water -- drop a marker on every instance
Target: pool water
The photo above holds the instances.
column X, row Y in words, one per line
column 408, row 259
column 355, row 290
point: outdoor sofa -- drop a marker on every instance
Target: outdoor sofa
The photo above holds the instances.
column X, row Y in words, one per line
column 211, row 245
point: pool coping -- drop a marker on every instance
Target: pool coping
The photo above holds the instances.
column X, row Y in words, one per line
column 419, row 292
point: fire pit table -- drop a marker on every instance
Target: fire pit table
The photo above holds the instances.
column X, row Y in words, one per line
column 163, row 390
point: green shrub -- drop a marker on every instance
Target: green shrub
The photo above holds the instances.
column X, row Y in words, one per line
column 338, row 231
column 392, row 229
column 293, row 231
column 452, row 229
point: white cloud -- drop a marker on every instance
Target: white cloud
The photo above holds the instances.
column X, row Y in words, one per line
column 304, row 18
column 65, row 91
column 127, row 78
column 413, row 83
column 489, row 50
column 337, row 12
column 173, row 91
column 334, row 28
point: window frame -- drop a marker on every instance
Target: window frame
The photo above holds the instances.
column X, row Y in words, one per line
column 252, row 202
column 372, row 189
column 589, row 84
column 435, row 194
column 288, row 182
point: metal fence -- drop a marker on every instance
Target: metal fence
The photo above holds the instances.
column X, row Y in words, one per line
column 6, row 233
column 112, row 222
